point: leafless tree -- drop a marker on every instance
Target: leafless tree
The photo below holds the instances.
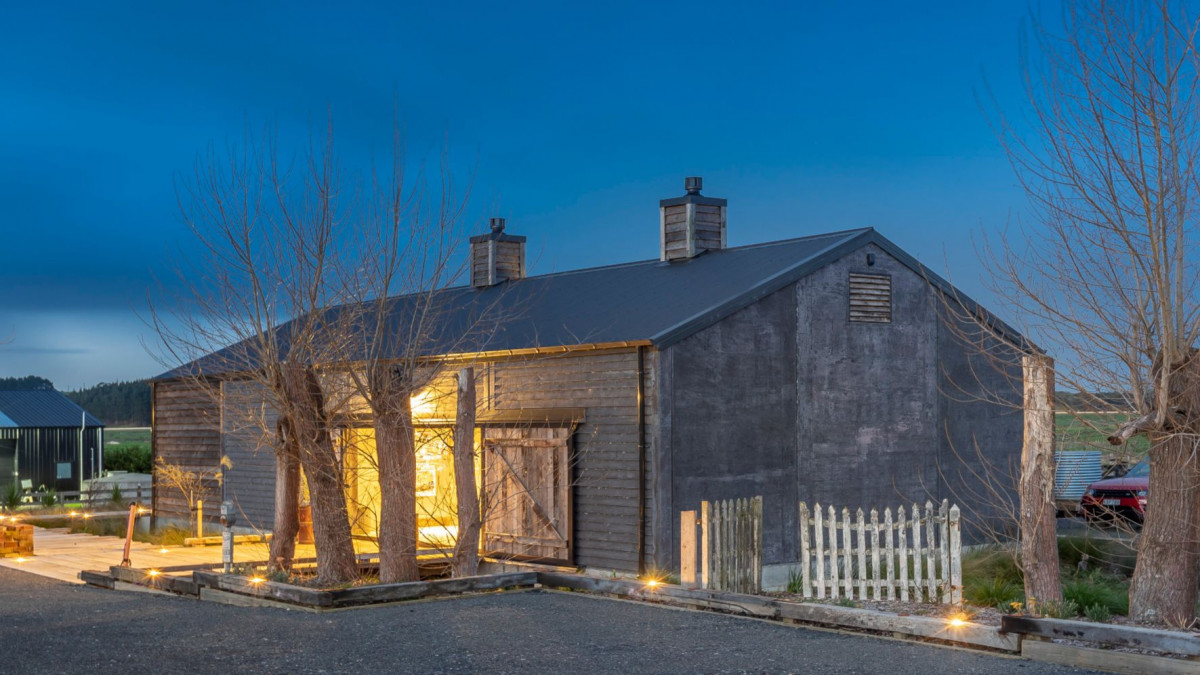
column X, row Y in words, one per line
column 1105, row 270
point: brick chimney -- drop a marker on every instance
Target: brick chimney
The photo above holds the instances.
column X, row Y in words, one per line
column 691, row 224
column 496, row 256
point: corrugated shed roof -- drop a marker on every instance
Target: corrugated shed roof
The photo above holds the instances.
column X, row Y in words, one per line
column 41, row 408
column 648, row 302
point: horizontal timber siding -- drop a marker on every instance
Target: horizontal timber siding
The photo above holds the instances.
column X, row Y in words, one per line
column 186, row 433
column 248, row 438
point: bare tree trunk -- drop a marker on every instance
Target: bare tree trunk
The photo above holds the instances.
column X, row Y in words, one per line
column 466, row 548
column 394, row 446
column 1167, row 546
column 1039, row 537
column 1164, row 587
column 287, row 499
column 336, row 562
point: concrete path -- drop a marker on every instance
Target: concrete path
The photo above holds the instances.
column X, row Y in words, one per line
column 60, row 555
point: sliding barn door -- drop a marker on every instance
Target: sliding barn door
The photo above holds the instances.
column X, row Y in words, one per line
column 527, row 492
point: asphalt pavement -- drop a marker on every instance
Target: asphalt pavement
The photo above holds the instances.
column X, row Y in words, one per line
column 47, row 626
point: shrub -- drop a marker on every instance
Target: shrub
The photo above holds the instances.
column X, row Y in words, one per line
column 1097, row 589
column 1097, row 613
column 12, row 497
column 131, row 457
column 993, row 593
column 845, row 602
column 1066, row 609
column 795, row 582
column 49, row 498
column 985, row 565
column 117, row 497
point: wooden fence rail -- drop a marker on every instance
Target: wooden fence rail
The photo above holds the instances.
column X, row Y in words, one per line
column 730, row 545
column 133, row 494
column 912, row 556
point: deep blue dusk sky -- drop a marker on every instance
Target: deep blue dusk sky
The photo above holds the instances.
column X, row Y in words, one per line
column 573, row 120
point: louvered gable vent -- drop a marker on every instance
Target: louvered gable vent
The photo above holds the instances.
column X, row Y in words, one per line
column 870, row 298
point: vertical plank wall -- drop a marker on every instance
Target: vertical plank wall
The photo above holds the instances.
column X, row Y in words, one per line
column 246, row 424
column 186, row 433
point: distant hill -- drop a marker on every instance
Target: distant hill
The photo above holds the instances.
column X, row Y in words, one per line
column 117, row 404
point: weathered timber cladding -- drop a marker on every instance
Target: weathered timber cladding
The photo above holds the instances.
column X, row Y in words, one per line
column 790, row 399
column 605, row 445
column 186, row 433
column 732, row 424
column 248, row 425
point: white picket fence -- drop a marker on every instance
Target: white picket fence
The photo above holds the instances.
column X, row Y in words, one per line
column 729, row 546
column 913, row 556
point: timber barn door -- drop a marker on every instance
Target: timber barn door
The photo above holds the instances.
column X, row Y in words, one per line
column 527, row 492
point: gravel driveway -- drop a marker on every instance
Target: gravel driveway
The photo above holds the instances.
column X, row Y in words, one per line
column 48, row 627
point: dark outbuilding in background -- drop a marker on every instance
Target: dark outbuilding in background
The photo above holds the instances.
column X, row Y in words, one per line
column 47, row 439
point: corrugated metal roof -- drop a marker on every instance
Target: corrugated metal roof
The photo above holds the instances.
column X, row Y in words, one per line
column 41, row 408
column 649, row 301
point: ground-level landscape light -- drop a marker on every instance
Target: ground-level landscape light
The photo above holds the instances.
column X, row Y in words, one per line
column 162, row 550
column 20, row 560
column 256, row 580
column 957, row 622
column 153, row 573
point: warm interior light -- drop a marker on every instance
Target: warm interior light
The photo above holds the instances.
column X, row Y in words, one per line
column 422, row 404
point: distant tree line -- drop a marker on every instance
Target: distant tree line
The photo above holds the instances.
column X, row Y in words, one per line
column 117, row 404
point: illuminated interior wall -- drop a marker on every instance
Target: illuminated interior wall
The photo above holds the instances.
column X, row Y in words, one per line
column 436, row 494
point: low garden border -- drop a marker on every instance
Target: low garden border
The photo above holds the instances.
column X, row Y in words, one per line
column 1016, row 635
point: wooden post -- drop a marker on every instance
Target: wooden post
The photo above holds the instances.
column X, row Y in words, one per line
column 199, row 518
column 805, row 554
column 466, row 547
column 1039, row 542
column 758, row 559
column 706, row 543
column 687, row 548
column 125, row 561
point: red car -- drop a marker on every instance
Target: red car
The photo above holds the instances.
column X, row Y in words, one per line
column 1124, row 496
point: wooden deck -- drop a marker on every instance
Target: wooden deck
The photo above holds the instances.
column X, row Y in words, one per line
column 58, row 554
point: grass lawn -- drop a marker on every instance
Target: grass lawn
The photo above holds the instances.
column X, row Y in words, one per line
column 1090, row 431
column 128, row 435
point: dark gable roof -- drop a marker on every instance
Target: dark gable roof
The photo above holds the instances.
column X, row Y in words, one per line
column 41, row 408
column 650, row 302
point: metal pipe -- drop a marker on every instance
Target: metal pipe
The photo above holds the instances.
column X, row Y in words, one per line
column 641, row 443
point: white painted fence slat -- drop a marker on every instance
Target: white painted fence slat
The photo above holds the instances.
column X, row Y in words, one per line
column 916, row 524
column 875, row 575
column 956, row 584
column 862, row 557
column 829, row 550
column 900, row 523
column 834, row 588
column 848, row 577
column 890, row 547
column 819, row 535
column 930, row 567
column 943, row 523
column 805, row 554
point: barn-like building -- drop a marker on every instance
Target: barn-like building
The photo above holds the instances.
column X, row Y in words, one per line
column 828, row 368
column 46, row 440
